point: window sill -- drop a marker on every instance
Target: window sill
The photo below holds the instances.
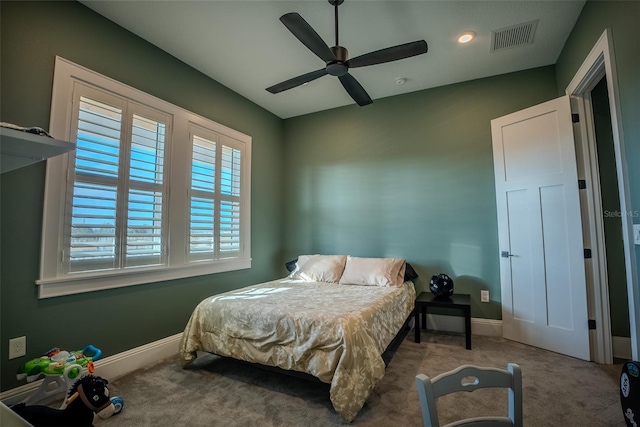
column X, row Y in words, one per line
column 85, row 282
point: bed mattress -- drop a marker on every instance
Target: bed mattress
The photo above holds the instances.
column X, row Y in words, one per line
column 334, row 332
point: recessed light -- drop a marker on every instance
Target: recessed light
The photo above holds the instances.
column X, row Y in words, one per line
column 401, row 80
column 466, row 37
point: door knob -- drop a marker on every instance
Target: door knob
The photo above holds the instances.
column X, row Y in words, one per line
column 505, row 254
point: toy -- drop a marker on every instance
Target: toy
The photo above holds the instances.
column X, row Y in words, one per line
column 55, row 361
column 89, row 395
column 60, row 368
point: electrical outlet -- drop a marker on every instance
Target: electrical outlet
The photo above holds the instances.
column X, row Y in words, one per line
column 17, row 347
column 484, row 296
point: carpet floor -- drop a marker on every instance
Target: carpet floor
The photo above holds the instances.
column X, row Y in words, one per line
column 557, row 390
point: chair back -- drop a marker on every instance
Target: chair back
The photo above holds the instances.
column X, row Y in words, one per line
column 458, row 380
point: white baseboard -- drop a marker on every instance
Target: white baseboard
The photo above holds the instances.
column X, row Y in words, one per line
column 111, row 367
column 479, row 326
column 621, row 347
column 128, row 361
column 486, row 327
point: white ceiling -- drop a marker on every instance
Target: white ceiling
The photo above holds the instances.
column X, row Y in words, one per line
column 243, row 45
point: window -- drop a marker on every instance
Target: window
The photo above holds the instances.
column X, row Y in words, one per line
column 117, row 188
column 151, row 193
column 214, row 197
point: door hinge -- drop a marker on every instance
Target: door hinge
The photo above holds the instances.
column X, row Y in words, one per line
column 587, row 253
column 592, row 324
column 582, row 184
column 575, row 118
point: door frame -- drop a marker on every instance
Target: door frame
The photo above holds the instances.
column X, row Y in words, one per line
column 598, row 64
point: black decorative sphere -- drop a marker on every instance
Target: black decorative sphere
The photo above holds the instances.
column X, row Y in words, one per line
column 441, row 285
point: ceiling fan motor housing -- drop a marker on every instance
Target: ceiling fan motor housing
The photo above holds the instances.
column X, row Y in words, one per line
column 341, row 53
column 338, row 68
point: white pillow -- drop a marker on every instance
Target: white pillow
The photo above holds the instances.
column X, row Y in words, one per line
column 373, row 271
column 319, row 268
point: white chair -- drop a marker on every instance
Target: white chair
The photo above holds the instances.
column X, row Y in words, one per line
column 457, row 380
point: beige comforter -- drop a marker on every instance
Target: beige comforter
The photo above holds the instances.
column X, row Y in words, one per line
column 334, row 332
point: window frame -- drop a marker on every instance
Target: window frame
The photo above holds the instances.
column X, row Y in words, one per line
column 53, row 280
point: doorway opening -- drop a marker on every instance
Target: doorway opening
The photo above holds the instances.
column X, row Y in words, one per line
column 612, row 222
column 607, row 224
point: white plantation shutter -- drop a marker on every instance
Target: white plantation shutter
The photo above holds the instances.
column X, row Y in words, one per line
column 230, row 202
column 202, row 241
column 229, row 228
column 145, row 231
column 201, row 236
column 109, row 230
column 92, row 238
column 152, row 192
column 215, row 205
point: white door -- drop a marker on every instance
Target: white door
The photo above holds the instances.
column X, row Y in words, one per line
column 544, row 298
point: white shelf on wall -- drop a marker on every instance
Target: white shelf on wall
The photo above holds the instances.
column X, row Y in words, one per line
column 19, row 148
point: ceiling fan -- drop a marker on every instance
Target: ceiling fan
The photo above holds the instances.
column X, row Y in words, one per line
column 337, row 57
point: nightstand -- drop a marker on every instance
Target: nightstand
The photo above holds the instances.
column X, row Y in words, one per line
column 459, row 302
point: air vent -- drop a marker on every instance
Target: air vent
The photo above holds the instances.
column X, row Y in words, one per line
column 516, row 35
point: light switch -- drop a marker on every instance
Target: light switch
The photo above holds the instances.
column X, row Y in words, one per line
column 636, row 234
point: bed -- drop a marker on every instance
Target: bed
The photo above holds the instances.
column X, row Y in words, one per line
column 317, row 323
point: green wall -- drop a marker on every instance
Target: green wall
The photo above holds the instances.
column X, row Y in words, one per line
column 408, row 176
column 115, row 320
column 623, row 18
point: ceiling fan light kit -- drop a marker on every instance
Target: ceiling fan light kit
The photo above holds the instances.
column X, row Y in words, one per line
column 336, row 58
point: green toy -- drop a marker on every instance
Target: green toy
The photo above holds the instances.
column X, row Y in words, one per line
column 60, row 370
column 56, row 362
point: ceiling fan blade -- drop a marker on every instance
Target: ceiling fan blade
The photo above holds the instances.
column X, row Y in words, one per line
column 354, row 89
column 297, row 81
column 307, row 35
column 389, row 54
